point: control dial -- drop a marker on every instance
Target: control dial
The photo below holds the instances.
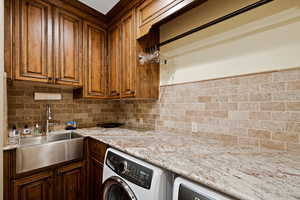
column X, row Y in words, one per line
column 123, row 167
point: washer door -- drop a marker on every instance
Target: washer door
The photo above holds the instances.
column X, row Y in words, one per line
column 116, row 189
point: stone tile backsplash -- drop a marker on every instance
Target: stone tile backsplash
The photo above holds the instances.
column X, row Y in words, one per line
column 261, row 109
column 23, row 109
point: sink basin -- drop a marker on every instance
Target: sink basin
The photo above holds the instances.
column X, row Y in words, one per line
column 37, row 152
column 48, row 139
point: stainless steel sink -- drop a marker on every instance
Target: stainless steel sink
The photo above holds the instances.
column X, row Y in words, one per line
column 37, row 152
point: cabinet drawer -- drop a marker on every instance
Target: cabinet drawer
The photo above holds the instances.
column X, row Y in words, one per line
column 97, row 150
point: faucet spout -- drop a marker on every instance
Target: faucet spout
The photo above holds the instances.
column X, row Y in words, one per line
column 49, row 114
column 49, row 118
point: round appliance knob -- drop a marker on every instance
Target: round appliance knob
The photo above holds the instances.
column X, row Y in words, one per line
column 123, row 167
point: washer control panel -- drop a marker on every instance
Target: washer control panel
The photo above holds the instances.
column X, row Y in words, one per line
column 133, row 172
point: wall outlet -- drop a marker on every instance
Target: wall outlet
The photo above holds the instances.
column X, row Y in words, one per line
column 194, row 127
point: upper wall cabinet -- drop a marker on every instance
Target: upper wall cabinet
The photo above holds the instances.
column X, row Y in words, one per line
column 127, row 78
column 95, row 54
column 114, row 62
column 43, row 54
column 48, row 43
column 152, row 12
column 33, row 41
column 53, row 42
column 128, row 56
column 68, row 48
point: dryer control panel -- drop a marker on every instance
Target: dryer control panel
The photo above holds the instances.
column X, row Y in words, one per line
column 131, row 171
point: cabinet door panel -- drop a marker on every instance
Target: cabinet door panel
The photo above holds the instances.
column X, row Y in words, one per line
column 96, row 170
column 36, row 187
column 128, row 56
column 71, row 185
column 95, row 61
column 114, row 69
column 68, row 40
column 33, row 40
column 70, row 182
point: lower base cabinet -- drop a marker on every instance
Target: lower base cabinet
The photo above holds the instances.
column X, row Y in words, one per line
column 36, row 187
column 70, row 182
column 96, row 170
column 63, row 183
column 96, row 154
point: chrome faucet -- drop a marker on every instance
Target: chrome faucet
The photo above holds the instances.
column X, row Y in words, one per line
column 49, row 118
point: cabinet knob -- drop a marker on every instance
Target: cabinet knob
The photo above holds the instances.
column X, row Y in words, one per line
column 114, row 93
column 49, row 79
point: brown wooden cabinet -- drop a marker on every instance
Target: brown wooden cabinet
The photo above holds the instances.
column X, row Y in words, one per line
column 68, row 48
column 70, row 182
column 94, row 63
column 114, row 62
column 55, row 43
column 96, row 170
column 128, row 56
column 65, row 183
column 36, row 187
column 122, row 58
column 33, row 40
column 44, row 54
column 127, row 78
column 151, row 12
column 96, row 155
column 95, row 54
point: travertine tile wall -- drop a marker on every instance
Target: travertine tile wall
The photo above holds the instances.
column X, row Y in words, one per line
column 261, row 110
column 22, row 109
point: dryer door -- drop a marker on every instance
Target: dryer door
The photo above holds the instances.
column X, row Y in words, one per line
column 116, row 189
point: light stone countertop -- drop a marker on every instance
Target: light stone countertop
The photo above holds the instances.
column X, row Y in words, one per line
column 242, row 172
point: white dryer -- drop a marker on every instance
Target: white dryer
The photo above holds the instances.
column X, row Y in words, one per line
column 128, row 178
column 187, row 190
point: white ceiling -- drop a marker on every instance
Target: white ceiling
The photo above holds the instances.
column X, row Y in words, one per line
column 102, row 6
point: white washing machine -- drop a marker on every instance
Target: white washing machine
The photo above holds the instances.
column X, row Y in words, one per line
column 187, row 190
column 127, row 178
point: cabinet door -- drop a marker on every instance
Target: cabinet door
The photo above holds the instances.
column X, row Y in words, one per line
column 96, row 170
column 33, row 40
column 114, row 62
column 36, row 187
column 128, row 56
column 68, row 48
column 94, row 61
column 70, row 182
column 151, row 12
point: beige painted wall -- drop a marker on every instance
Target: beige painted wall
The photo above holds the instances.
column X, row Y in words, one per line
column 1, row 93
column 263, row 39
